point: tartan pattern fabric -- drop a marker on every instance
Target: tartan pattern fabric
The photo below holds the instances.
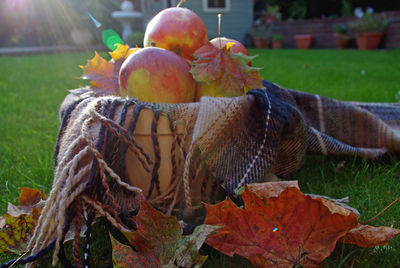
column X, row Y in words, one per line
column 225, row 144
column 241, row 140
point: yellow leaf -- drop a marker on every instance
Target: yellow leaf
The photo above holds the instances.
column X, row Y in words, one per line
column 229, row 45
column 121, row 52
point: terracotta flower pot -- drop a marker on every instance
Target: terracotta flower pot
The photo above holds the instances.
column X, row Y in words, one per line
column 341, row 40
column 304, row 41
column 366, row 41
column 259, row 42
column 277, row 44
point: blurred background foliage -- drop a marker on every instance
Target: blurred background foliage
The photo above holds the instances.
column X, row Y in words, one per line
column 51, row 22
column 306, row 9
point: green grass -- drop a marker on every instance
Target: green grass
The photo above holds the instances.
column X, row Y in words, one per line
column 32, row 88
column 334, row 74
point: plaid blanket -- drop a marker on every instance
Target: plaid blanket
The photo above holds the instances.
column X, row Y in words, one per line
column 217, row 145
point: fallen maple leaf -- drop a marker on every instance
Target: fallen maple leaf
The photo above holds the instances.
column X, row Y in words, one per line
column 367, row 236
column 15, row 233
column 159, row 242
column 287, row 230
column 224, row 73
column 123, row 255
column 275, row 188
column 17, row 225
column 30, row 197
column 103, row 74
column 271, row 189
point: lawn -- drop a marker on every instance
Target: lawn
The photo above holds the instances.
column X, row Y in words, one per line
column 32, row 88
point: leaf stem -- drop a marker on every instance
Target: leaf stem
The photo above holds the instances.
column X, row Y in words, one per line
column 219, row 29
column 16, row 260
column 383, row 210
column 180, row 3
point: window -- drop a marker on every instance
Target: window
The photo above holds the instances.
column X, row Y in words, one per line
column 172, row 3
column 216, row 5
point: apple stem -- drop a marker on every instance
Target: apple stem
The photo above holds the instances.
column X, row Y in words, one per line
column 219, row 29
column 180, row 3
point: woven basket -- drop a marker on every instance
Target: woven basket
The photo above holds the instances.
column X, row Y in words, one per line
column 136, row 175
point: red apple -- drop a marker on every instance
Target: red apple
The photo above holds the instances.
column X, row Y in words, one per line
column 220, row 42
column 177, row 29
column 156, row 75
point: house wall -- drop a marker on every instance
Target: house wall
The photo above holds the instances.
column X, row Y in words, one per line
column 150, row 8
column 235, row 23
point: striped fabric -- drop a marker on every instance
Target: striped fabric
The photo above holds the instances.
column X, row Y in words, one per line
column 235, row 141
column 213, row 147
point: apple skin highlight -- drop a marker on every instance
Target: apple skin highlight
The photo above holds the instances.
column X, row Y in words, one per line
column 221, row 42
column 157, row 75
column 176, row 29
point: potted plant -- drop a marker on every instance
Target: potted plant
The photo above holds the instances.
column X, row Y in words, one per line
column 304, row 41
column 341, row 37
column 368, row 28
column 277, row 41
column 272, row 14
column 261, row 35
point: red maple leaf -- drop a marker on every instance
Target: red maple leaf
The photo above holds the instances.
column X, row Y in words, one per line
column 222, row 73
column 290, row 229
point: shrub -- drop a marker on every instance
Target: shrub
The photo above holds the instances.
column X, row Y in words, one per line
column 367, row 21
column 135, row 39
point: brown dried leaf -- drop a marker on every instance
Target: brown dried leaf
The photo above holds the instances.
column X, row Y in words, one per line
column 275, row 188
column 29, row 197
column 368, row 236
column 271, row 189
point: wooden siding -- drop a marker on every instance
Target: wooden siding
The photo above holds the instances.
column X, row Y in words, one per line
column 151, row 8
column 235, row 23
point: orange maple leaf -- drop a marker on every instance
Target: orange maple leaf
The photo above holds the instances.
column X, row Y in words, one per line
column 290, row 229
column 103, row 74
column 30, row 197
